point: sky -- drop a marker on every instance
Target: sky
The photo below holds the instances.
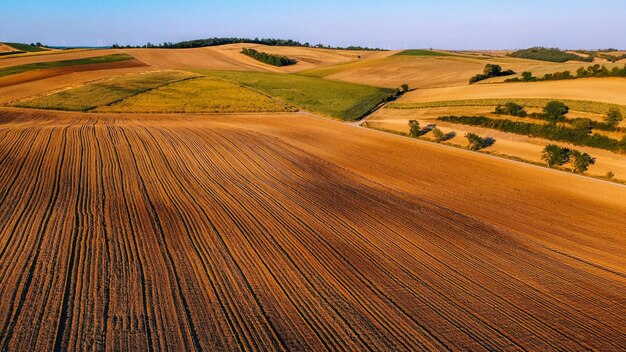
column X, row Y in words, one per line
column 400, row 24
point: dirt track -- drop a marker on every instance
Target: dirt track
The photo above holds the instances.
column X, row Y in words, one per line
column 290, row 232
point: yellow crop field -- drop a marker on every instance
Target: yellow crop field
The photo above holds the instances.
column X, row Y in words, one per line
column 208, row 95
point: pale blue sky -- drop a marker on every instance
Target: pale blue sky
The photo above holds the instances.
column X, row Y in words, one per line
column 448, row 24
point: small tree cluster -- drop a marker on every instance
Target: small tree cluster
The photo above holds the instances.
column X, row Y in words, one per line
column 490, row 71
column 476, row 142
column 554, row 155
column 512, row 109
column 414, row 129
column 275, row 60
column 613, row 117
column 555, row 111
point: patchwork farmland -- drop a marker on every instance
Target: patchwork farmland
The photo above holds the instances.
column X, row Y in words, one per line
column 197, row 199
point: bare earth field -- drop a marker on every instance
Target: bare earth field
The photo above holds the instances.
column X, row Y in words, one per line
column 284, row 231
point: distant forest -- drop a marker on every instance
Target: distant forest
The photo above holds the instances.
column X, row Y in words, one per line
column 199, row 43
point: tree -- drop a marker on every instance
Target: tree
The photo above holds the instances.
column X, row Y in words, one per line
column 510, row 108
column 553, row 155
column 613, row 117
column 555, row 111
column 414, row 129
column 583, row 125
column 527, row 76
column 582, row 161
column 405, row 88
column 439, row 135
column 474, row 141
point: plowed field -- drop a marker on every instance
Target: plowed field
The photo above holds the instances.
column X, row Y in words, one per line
column 283, row 231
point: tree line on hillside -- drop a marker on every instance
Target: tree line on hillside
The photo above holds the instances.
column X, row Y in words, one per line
column 597, row 71
column 555, row 111
column 490, row 71
column 270, row 59
column 200, row 43
column 549, row 54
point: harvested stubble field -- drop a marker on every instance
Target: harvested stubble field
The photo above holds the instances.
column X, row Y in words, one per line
column 200, row 95
column 12, row 70
column 280, row 232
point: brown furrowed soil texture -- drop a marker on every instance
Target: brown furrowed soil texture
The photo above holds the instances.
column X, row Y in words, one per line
column 288, row 232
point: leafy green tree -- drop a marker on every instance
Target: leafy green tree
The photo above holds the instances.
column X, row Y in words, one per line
column 439, row 135
column 474, row 141
column 527, row 76
column 613, row 117
column 414, row 129
column 555, row 111
column 583, row 125
column 405, row 88
column 582, row 161
column 553, row 155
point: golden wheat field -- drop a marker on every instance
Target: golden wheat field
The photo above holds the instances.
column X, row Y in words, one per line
column 201, row 95
column 190, row 213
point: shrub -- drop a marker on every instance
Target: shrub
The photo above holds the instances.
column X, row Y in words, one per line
column 405, row 88
column 610, row 175
column 583, row 125
column 553, row 155
column 270, row 59
column 490, row 71
column 512, row 109
column 582, row 161
column 439, row 135
column 476, row 142
column 555, row 111
column 613, row 117
column 414, row 129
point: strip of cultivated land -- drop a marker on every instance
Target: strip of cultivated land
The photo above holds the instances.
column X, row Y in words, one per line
column 288, row 232
column 207, row 95
column 12, row 70
column 577, row 105
column 344, row 101
column 105, row 92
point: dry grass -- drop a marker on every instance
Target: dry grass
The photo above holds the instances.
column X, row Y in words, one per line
column 605, row 90
column 208, row 95
column 294, row 233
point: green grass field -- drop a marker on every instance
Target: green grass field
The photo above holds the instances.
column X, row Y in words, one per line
column 345, row 101
column 102, row 93
column 201, row 95
column 25, row 47
column 7, row 71
column 576, row 105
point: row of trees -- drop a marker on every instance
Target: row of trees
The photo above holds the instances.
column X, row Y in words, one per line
column 554, row 155
column 549, row 54
column 490, row 71
column 548, row 131
column 270, row 59
column 555, row 111
column 596, row 70
column 199, row 43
